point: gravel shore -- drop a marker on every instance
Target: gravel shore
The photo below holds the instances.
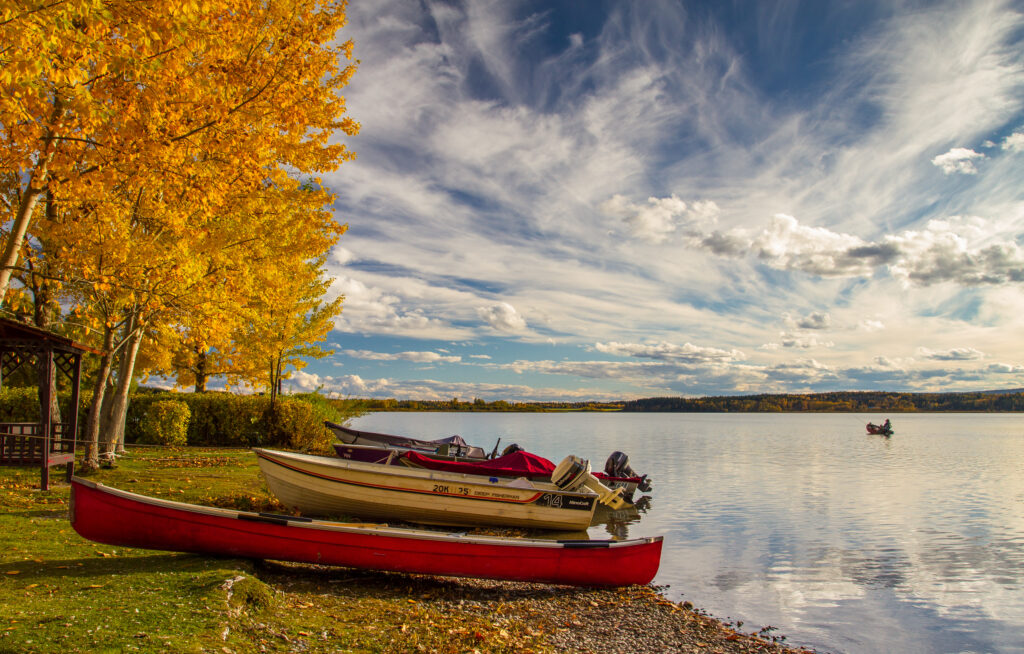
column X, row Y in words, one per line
column 524, row 617
column 612, row 621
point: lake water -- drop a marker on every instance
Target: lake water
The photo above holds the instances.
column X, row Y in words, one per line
column 842, row 541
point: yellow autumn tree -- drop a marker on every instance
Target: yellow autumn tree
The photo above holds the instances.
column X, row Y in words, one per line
column 284, row 326
column 269, row 250
column 157, row 129
column 163, row 97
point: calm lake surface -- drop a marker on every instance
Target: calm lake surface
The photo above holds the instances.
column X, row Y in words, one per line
column 841, row 541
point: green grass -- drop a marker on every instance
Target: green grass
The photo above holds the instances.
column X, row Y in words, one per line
column 62, row 593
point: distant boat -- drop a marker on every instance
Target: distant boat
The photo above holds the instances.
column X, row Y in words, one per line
column 116, row 517
column 329, row 486
column 884, row 429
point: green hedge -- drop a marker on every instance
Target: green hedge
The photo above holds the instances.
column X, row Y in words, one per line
column 239, row 420
column 22, row 404
column 216, row 418
column 165, row 423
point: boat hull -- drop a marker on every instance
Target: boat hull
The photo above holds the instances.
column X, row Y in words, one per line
column 329, row 486
column 116, row 517
column 879, row 430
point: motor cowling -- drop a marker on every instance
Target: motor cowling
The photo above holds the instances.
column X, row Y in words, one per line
column 617, row 465
column 573, row 474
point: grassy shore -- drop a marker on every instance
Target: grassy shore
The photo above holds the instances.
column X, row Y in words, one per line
column 62, row 593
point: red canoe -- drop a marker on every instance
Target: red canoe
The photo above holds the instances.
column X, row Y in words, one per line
column 116, row 517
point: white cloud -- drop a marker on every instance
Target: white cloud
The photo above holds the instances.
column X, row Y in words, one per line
column 305, row 381
column 656, row 221
column 1005, row 369
column 959, row 250
column 813, row 320
column 1014, row 142
column 788, row 245
column 378, row 310
column 958, row 160
column 665, row 351
column 415, row 357
column 464, row 203
column 953, row 354
column 503, row 317
column 800, row 341
column 943, row 252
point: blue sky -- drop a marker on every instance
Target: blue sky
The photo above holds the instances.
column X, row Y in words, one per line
column 603, row 200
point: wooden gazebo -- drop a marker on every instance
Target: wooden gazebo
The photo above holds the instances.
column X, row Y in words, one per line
column 44, row 443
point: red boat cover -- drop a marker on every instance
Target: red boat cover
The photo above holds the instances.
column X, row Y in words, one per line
column 516, row 464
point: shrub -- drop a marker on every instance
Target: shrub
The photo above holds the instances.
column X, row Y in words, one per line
column 212, row 418
column 296, row 424
column 21, row 404
column 219, row 418
column 165, row 423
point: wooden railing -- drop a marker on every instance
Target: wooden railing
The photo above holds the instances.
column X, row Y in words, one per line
column 23, row 443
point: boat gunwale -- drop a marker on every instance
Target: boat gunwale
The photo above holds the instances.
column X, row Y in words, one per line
column 426, row 475
column 355, row 529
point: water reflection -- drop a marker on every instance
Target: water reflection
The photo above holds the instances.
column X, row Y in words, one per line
column 617, row 523
column 845, row 542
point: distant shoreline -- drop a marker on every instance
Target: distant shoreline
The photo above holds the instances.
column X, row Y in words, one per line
column 1009, row 401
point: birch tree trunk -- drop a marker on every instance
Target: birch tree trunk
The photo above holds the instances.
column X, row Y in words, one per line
column 115, row 419
column 92, row 426
column 200, row 371
column 34, row 190
column 105, row 409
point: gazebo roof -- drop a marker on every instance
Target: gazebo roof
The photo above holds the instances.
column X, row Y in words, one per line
column 15, row 335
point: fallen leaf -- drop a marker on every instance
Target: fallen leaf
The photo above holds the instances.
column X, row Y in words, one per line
column 14, row 572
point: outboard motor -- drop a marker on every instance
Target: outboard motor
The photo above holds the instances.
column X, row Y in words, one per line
column 617, row 465
column 573, row 474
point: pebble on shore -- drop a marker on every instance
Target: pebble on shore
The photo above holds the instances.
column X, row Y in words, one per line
column 613, row 621
column 544, row 618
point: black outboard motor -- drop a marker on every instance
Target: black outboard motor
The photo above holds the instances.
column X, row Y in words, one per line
column 617, row 465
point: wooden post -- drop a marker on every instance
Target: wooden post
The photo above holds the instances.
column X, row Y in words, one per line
column 46, row 424
column 76, row 383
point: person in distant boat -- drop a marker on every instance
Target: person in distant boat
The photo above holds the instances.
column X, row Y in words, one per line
column 887, row 425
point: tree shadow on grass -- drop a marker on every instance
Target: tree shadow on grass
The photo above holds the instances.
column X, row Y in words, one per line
column 91, row 567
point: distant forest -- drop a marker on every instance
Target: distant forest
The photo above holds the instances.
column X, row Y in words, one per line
column 839, row 402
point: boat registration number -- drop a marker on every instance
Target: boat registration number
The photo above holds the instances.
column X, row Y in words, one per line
column 447, row 490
